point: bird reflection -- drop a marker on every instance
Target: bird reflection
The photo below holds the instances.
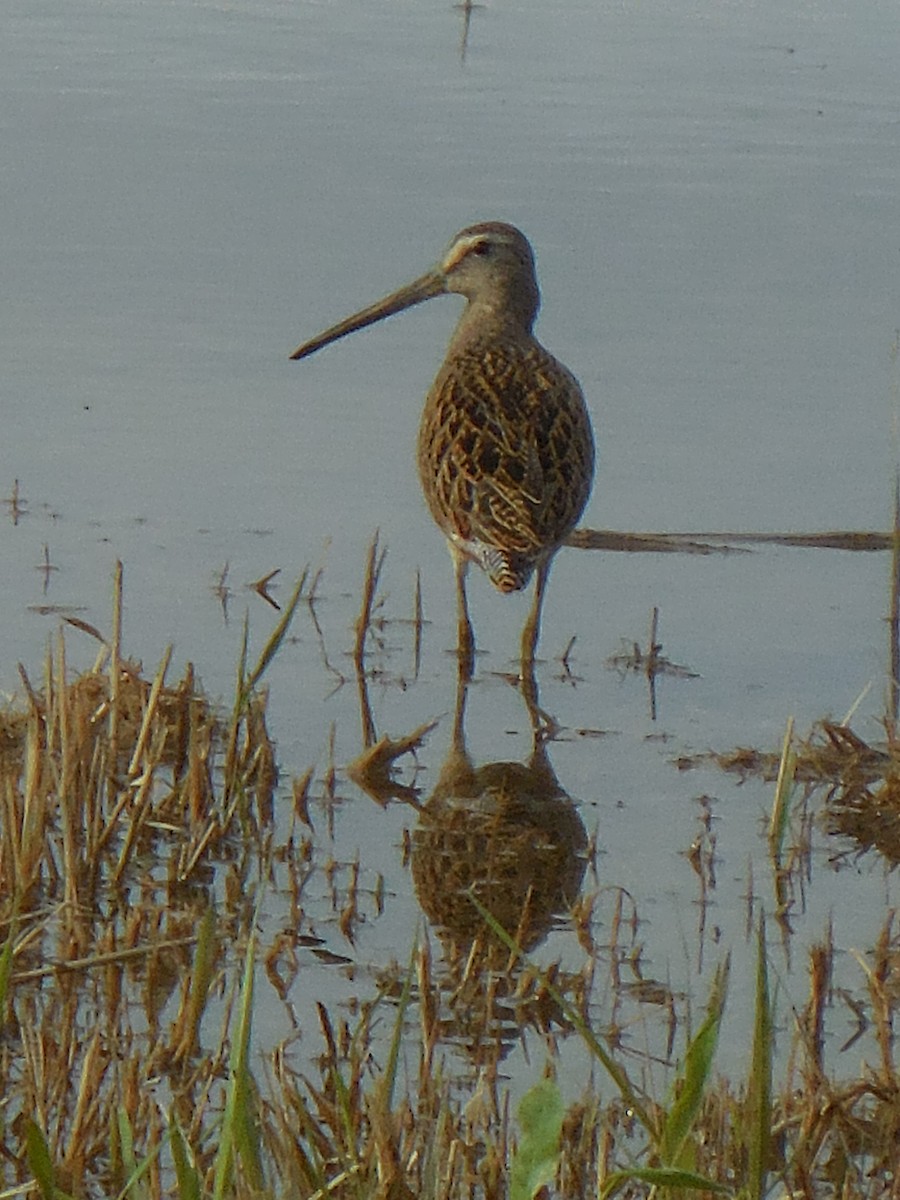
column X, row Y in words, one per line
column 507, row 835
column 505, row 832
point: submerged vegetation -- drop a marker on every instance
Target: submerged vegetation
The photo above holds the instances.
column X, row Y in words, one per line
column 143, row 831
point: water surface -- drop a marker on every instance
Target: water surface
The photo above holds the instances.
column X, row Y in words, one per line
column 190, row 189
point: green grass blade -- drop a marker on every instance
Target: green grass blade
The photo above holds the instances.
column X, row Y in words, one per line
column 246, row 682
column 126, row 1146
column 344, row 1106
column 389, row 1077
column 240, row 704
column 759, row 1091
column 242, row 663
column 6, row 962
column 691, row 1083
column 39, row 1161
column 240, row 1134
column 784, row 786
column 201, row 978
column 186, row 1177
column 541, row 1113
column 135, row 1187
column 661, row 1177
column 277, row 636
column 247, row 1132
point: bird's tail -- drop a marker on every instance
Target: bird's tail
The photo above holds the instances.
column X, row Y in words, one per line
column 507, row 572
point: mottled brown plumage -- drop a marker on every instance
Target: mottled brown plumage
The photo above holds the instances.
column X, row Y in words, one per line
column 506, row 453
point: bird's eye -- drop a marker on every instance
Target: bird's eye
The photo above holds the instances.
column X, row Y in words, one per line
column 482, row 249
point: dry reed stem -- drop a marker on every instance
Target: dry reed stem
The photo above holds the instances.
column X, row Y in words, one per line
column 95, row 772
column 374, row 563
column 723, row 542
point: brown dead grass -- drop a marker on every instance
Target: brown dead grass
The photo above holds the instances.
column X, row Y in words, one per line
column 136, row 823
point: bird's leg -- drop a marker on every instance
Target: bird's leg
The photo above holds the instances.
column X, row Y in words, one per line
column 465, row 645
column 528, row 684
column 544, row 727
column 532, row 630
column 463, row 679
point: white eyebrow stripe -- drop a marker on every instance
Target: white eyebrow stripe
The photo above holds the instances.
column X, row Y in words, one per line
column 461, row 248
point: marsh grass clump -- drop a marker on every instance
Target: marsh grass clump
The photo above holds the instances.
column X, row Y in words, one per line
column 853, row 784
column 129, row 807
column 138, row 847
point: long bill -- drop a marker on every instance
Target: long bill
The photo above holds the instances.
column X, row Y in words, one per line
column 422, row 289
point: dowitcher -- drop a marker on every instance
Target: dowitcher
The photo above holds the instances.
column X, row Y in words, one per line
column 506, row 452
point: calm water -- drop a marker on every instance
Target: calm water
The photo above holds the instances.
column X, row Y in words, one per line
column 190, row 189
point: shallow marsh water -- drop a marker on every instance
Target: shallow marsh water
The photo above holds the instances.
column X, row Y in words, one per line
column 192, row 188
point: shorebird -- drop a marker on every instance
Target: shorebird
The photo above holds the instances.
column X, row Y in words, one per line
column 506, row 451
